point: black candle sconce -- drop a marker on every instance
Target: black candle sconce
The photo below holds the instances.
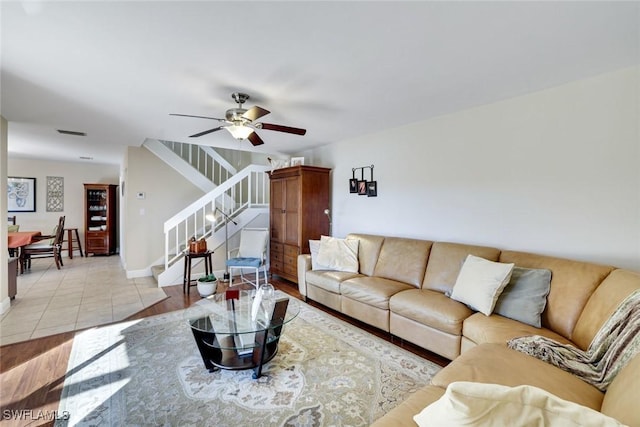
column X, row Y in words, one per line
column 361, row 186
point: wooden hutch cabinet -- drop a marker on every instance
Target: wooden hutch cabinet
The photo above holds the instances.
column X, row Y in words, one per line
column 299, row 196
column 100, row 222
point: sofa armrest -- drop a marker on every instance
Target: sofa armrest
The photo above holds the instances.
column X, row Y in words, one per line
column 304, row 265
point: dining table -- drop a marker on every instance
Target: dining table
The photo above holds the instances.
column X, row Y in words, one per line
column 20, row 239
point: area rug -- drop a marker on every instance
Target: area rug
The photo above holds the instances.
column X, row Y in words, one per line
column 149, row 372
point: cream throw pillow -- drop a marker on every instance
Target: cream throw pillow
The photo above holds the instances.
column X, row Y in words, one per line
column 339, row 254
column 479, row 405
column 314, row 248
column 480, row 283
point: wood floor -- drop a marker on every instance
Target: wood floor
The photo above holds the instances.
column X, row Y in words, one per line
column 32, row 372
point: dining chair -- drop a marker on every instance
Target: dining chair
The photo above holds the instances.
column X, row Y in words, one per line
column 46, row 247
column 252, row 253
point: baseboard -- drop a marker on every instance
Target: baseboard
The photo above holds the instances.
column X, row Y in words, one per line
column 5, row 305
column 132, row 274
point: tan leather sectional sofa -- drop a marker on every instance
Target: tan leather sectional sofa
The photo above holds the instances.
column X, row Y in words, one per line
column 402, row 287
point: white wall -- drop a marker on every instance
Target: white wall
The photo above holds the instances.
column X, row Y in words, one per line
column 166, row 193
column 4, row 272
column 75, row 175
column 554, row 172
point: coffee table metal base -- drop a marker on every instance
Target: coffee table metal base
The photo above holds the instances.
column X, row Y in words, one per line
column 222, row 353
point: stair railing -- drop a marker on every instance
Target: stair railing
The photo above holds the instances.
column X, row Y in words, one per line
column 249, row 188
column 204, row 159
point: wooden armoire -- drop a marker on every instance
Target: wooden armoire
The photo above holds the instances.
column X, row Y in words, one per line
column 299, row 197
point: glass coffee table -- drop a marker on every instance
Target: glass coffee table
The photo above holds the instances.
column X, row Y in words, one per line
column 233, row 332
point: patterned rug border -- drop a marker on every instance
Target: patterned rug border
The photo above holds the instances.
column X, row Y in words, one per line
column 106, row 386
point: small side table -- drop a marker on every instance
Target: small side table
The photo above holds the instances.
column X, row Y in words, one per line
column 70, row 239
column 188, row 256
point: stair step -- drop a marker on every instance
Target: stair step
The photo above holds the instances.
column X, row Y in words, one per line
column 156, row 270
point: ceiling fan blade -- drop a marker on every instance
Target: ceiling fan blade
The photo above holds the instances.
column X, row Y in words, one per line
column 198, row 117
column 205, row 132
column 254, row 113
column 280, row 128
column 255, row 139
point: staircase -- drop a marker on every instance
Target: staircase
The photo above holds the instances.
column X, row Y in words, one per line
column 242, row 195
column 201, row 165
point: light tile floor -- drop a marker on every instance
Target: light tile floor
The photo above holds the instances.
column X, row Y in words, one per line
column 85, row 292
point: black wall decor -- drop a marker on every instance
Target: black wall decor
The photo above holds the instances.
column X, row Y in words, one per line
column 361, row 186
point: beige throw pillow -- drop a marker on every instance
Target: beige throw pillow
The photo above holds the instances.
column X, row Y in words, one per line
column 339, row 254
column 314, row 248
column 480, row 283
column 480, row 405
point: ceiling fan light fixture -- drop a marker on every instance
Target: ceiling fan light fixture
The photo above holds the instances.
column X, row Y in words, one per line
column 241, row 123
column 239, row 131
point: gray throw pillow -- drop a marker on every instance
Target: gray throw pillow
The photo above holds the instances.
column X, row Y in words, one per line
column 525, row 296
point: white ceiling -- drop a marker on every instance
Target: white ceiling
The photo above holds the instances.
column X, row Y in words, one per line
column 338, row 69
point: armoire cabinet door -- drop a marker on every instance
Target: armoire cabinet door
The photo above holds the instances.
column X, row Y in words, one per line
column 292, row 208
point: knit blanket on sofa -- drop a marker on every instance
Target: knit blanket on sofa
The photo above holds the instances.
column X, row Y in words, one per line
column 615, row 344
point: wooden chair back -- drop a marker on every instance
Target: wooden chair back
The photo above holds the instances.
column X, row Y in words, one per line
column 59, row 238
column 53, row 249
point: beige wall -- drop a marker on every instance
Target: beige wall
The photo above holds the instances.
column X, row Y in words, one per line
column 555, row 172
column 166, row 193
column 4, row 278
column 75, row 175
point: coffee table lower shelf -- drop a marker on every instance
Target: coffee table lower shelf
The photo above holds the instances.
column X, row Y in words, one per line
column 224, row 354
column 223, row 350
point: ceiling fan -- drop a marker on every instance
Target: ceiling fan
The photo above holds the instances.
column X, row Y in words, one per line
column 240, row 122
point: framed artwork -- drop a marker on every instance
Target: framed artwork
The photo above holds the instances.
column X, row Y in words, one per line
column 55, row 194
column 22, row 194
column 296, row 161
column 353, row 185
column 362, row 188
column 372, row 189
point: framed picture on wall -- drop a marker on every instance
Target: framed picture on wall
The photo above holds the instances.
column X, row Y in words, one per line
column 372, row 189
column 353, row 185
column 362, row 188
column 22, row 194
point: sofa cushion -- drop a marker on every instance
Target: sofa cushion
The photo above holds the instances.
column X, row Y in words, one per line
column 368, row 251
column 480, row 283
column 572, row 283
column 495, row 363
column 404, row 260
column 525, row 296
column 445, row 262
column 497, row 329
column 374, row 291
column 329, row 280
column 481, row 404
column 431, row 308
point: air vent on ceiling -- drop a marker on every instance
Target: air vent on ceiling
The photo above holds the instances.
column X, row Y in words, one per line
column 71, row 132
column 86, row 158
